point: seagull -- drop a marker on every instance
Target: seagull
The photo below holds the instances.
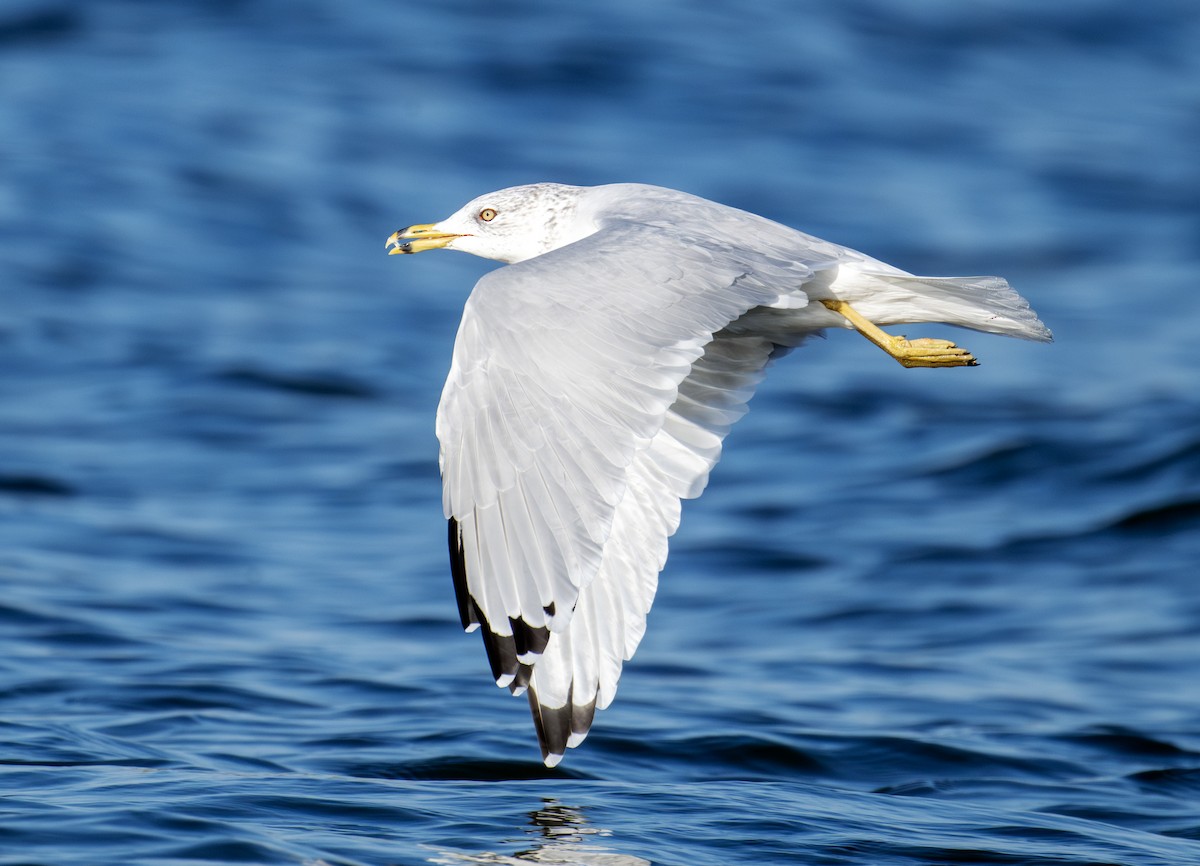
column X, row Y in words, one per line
column 592, row 383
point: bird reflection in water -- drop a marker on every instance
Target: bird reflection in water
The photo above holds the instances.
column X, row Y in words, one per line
column 559, row 834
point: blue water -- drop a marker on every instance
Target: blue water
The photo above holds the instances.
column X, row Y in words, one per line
column 919, row 617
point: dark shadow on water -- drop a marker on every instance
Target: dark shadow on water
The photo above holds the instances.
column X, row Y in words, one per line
column 463, row 770
column 1166, row 518
column 22, row 484
column 34, row 26
column 307, row 384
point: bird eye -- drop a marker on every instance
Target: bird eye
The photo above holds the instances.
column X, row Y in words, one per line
column 487, row 214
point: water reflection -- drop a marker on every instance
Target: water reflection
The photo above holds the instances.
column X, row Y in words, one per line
column 557, row 834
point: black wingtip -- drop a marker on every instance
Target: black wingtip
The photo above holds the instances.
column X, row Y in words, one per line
column 528, row 638
column 582, row 716
column 553, row 727
column 560, row 728
column 504, row 650
column 467, row 611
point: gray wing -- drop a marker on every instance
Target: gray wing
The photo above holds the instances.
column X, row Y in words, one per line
column 569, row 430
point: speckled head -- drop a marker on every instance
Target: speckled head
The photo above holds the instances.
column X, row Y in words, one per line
column 509, row 225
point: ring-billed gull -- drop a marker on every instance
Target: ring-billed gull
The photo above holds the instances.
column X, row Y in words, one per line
column 592, row 383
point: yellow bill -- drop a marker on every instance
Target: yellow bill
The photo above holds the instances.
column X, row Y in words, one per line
column 418, row 238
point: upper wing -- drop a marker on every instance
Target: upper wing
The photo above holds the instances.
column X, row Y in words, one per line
column 565, row 367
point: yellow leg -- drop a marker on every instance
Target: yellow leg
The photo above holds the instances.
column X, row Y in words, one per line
column 910, row 353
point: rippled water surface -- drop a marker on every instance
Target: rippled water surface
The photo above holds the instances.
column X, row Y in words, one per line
column 919, row 616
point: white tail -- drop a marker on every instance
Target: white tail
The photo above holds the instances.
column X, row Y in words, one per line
column 980, row 303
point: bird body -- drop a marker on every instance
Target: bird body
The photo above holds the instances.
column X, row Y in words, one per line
column 592, row 383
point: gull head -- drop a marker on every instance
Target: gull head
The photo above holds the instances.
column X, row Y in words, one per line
column 509, row 225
